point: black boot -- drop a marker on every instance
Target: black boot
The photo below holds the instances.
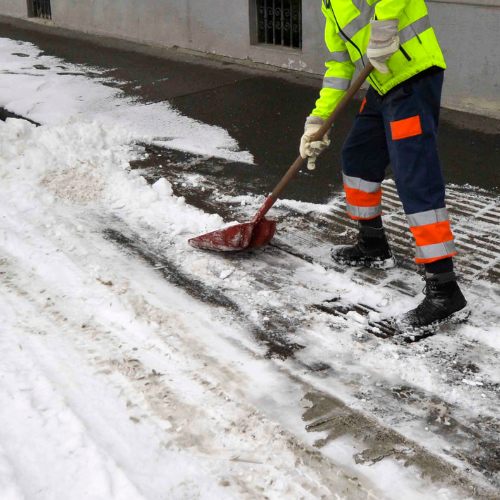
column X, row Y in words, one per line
column 443, row 302
column 371, row 250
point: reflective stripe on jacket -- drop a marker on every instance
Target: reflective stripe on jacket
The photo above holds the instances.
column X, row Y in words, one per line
column 347, row 34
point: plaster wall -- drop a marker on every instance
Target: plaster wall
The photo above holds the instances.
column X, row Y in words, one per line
column 16, row 8
column 470, row 38
column 216, row 26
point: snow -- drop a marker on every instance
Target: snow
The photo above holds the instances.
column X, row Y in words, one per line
column 84, row 328
column 299, row 206
column 61, row 93
column 116, row 383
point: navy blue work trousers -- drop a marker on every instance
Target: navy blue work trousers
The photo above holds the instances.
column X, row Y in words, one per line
column 401, row 129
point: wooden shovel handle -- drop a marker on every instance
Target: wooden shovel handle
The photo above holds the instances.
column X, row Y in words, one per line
column 299, row 162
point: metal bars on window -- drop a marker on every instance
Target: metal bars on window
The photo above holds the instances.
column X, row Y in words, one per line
column 279, row 22
column 39, row 8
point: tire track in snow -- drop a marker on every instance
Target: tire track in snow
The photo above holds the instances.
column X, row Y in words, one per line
column 38, row 426
column 146, row 391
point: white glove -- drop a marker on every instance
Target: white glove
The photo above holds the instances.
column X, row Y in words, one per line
column 384, row 41
column 312, row 150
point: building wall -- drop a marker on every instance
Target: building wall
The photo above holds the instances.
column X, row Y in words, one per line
column 207, row 26
column 470, row 38
column 16, row 8
column 468, row 30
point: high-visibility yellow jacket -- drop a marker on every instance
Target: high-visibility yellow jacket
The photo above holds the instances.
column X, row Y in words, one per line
column 347, row 34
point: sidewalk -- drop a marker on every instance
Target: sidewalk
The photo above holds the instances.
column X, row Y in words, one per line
column 263, row 110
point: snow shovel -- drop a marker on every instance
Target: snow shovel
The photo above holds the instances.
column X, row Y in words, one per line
column 260, row 231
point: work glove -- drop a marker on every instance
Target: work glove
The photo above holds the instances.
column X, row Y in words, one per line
column 312, row 150
column 384, row 41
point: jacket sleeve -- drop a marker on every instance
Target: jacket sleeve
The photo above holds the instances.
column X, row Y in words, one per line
column 339, row 71
column 389, row 9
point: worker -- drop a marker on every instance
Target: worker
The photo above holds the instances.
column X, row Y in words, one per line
column 397, row 124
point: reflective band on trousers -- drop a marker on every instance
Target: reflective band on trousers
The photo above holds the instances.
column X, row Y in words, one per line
column 362, row 185
column 435, row 251
column 414, row 29
column 339, row 56
column 334, row 82
column 364, row 212
column 428, row 217
column 433, row 236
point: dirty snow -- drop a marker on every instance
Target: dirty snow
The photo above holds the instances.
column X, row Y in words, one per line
column 110, row 375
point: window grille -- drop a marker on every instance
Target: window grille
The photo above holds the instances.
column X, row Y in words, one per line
column 39, row 8
column 279, row 22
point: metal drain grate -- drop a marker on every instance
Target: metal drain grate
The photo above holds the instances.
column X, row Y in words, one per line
column 474, row 218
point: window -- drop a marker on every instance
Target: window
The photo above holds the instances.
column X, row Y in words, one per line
column 279, row 22
column 39, row 8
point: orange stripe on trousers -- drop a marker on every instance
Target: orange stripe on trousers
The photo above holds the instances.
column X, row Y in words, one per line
column 409, row 127
column 430, row 234
column 361, row 199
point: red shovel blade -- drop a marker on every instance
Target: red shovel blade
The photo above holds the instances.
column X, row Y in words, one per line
column 236, row 238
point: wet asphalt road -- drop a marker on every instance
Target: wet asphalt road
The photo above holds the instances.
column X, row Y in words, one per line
column 264, row 111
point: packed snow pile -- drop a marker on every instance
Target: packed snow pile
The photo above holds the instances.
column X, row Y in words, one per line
column 88, row 163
